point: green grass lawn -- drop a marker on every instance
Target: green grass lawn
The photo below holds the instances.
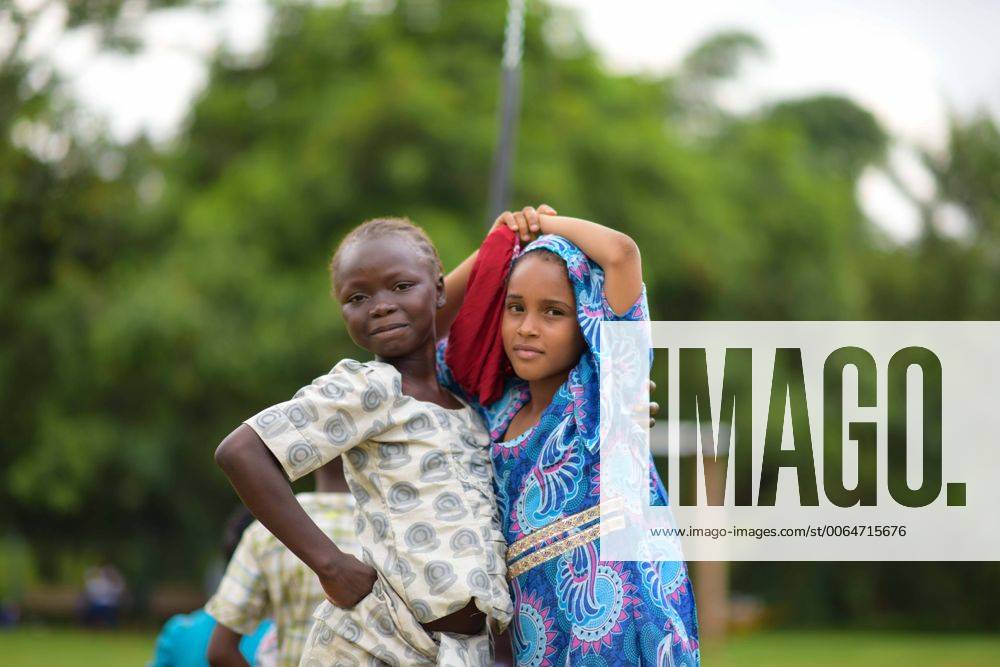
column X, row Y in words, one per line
column 40, row 647
column 54, row 647
column 858, row 649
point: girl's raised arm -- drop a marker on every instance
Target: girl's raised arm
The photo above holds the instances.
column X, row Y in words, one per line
column 612, row 250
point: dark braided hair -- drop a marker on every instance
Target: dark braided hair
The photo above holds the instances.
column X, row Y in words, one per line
column 381, row 227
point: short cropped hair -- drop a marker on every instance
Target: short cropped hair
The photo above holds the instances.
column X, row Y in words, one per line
column 381, row 227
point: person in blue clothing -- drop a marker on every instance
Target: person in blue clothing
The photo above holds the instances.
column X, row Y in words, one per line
column 184, row 638
column 571, row 607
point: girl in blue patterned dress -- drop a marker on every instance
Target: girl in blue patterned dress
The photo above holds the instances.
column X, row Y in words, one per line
column 571, row 608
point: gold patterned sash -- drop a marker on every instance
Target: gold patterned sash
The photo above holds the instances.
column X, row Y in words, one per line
column 550, row 551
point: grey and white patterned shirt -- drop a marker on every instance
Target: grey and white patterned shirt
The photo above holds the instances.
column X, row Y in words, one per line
column 421, row 474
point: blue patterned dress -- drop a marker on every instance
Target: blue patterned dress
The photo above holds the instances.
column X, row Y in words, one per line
column 576, row 609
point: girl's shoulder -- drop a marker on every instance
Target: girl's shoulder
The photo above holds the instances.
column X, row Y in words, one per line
column 379, row 385
column 370, row 382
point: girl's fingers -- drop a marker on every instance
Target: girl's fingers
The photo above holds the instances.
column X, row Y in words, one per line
column 508, row 219
column 654, row 408
column 532, row 217
column 499, row 222
column 522, row 226
column 545, row 209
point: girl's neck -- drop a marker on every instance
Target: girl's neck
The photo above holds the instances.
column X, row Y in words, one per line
column 418, row 367
column 543, row 391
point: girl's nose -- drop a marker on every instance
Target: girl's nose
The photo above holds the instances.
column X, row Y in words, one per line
column 383, row 308
column 527, row 327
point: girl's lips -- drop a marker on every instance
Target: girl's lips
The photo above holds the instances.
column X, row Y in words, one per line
column 389, row 329
column 527, row 353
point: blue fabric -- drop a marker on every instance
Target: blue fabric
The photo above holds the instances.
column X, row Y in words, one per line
column 577, row 609
column 184, row 641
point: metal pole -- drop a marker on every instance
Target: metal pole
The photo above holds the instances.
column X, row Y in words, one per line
column 510, row 95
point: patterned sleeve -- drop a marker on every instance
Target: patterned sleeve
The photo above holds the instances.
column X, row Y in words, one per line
column 241, row 601
column 444, row 376
column 323, row 420
column 448, row 381
column 638, row 311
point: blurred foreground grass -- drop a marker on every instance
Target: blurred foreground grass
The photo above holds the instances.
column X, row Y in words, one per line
column 42, row 646
column 859, row 649
column 38, row 647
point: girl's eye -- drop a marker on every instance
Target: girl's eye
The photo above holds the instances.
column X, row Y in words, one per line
column 553, row 311
column 402, row 287
column 515, row 307
column 355, row 298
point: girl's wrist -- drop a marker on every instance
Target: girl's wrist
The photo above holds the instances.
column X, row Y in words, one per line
column 546, row 223
column 329, row 564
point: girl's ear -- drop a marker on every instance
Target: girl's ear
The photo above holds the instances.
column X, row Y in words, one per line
column 440, row 291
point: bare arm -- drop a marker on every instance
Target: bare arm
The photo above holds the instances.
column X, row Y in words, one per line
column 224, row 648
column 612, row 250
column 260, row 482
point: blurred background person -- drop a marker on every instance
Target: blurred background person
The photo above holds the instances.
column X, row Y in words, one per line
column 104, row 593
column 266, row 580
column 183, row 642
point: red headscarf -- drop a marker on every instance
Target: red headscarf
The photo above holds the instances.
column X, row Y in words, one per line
column 475, row 351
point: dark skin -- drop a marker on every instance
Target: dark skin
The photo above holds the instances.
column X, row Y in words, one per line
column 224, row 645
column 389, row 295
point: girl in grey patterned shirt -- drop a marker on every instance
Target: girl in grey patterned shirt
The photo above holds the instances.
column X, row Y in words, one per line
column 430, row 587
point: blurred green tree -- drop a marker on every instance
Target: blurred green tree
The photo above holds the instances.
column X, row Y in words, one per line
column 68, row 213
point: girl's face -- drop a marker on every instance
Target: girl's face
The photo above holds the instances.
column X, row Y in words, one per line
column 541, row 334
column 388, row 295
